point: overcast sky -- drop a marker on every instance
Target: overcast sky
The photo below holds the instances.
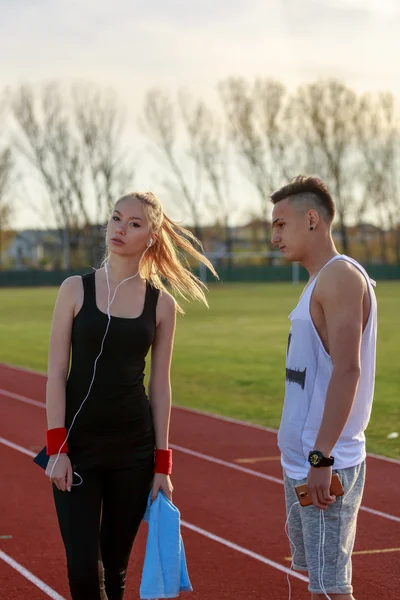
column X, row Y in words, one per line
column 131, row 45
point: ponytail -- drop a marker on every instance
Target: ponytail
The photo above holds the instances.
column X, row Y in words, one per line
column 166, row 261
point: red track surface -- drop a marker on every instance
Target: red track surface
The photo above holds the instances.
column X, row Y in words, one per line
column 236, row 505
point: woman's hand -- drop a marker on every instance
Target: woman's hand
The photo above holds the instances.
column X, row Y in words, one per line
column 162, row 482
column 60, row 471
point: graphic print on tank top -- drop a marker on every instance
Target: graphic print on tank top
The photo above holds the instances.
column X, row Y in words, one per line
column 295, row 375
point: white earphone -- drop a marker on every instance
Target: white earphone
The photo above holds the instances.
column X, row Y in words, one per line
column 149, row 243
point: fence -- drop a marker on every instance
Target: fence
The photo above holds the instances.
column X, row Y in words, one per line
column 227, row 273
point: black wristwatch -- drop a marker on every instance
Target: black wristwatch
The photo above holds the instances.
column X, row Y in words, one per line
column 317, row 459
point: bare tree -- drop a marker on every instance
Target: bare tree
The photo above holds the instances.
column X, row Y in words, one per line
column 274, row 112
column 162, row 124
column 72, row 141
column 204, row 146
column 100, row 121
column 258, row 116
column 6, row 165
column 326, row 113
column 211, row 146
column 6, row 173
column 378, row 139
column 50, row 147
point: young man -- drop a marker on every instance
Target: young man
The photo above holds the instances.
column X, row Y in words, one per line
column 329, row 387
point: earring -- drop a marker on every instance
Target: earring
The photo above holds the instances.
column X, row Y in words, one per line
column 311, row 228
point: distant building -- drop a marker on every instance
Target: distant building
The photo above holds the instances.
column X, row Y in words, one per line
column 29, row 248
column 252, row 236
column 37, row 248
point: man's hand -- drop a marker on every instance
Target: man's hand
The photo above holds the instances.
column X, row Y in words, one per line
column 319, row 483
column 162, row 482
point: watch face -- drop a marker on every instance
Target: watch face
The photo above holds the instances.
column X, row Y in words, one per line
column 314, row 458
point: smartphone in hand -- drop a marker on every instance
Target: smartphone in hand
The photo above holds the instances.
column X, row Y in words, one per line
column 304, row 494
column 42, row 459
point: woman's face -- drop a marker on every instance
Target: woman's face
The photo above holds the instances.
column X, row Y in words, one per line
column 128, row 230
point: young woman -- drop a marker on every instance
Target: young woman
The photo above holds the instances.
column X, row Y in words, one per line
column 107, row 440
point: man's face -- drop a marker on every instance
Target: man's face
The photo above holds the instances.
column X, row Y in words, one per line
column 289, row 230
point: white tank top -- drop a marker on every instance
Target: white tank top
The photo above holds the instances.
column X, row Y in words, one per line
column 308, row 371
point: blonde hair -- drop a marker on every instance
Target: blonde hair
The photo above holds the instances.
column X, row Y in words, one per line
column 165, row 259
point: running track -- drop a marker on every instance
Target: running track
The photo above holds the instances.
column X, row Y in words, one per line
column 231, row 506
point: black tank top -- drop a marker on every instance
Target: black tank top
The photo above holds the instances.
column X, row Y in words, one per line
column 116, row 417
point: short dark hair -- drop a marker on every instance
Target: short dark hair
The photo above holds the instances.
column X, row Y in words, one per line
column 310, row 190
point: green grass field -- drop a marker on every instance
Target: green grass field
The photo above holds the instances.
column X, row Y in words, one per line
column 229, row 359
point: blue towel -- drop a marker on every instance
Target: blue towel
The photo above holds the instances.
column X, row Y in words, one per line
column 164, row 571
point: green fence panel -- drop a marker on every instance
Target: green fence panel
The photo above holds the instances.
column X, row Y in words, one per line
column 31, row 278
column 251, row 273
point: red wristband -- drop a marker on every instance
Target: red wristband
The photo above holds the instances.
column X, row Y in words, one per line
column 163, row 462
column 57, row 441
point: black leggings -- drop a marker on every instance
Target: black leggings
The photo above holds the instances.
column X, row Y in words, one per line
column 99, row 521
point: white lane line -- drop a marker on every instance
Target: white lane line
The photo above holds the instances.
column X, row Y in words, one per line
column 261, row 428
column 242, row 550
column 17, row 447
column 183, row 409
column 216, row 538
column 224, row 463
column 22, row 398
column 203, row 413
column 378, row 513
column 251, row 472
column 30, row 577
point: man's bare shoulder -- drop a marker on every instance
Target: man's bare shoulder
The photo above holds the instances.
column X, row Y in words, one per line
column 340, row 278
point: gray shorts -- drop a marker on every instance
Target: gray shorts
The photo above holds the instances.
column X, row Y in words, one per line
column 328, row 564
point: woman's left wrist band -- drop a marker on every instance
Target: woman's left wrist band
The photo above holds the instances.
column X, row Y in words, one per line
column 163, row 462
column 57, row 441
